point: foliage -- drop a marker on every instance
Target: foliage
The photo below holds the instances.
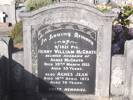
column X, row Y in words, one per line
column 104, row 8
column 123, row 20
column 35, row 4
column 121, row 30
column 123, row 16
column 17, row 33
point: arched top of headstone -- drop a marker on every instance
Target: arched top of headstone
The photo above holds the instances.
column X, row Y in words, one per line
column 65, row 12
column 70, row 3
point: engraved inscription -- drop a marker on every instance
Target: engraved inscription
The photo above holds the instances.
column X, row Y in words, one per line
column 67, row 61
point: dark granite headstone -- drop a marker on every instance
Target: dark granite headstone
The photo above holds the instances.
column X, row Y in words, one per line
column 67, row 59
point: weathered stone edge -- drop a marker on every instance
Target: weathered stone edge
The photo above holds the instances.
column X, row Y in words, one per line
column 63, row 5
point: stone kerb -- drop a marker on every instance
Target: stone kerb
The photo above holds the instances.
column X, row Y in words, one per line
column 77, row 14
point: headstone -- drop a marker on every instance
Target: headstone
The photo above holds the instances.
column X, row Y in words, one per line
column 68, row 53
